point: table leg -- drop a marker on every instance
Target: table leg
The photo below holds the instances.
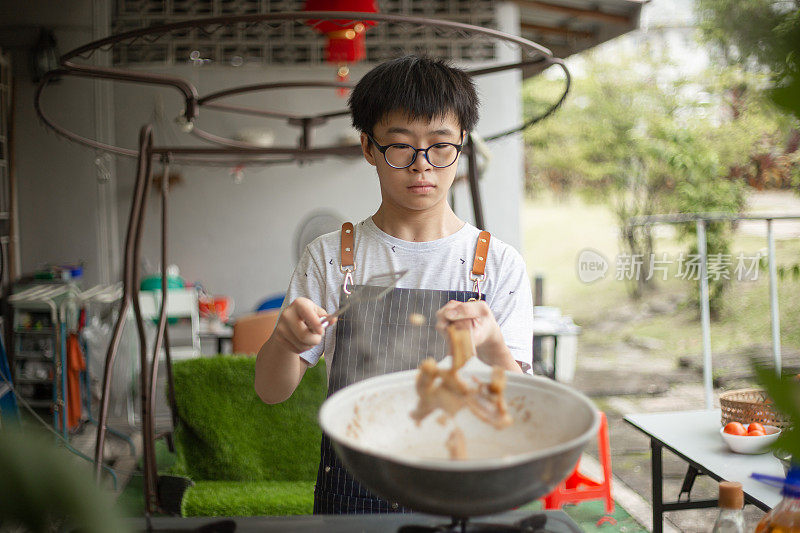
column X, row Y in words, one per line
column 688, row 483
column 656, row 478
column 555, row 354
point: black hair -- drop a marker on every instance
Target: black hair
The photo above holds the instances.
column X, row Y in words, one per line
column 420, row 86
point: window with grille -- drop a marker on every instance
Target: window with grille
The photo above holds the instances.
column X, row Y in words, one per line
column 290, row 42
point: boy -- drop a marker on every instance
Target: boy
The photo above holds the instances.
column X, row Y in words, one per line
column 414, row 114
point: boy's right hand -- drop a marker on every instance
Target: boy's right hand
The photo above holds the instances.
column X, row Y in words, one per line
column 299, row 328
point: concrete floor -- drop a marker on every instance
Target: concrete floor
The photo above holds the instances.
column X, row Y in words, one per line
column 123, row 446
column 642, row 385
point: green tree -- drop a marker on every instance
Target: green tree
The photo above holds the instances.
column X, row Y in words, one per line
column 755, row 141
column 645, row 139
column 771, row 38
column 702, row 186
column 599, row 145
column 769, row 45
column 754, row 33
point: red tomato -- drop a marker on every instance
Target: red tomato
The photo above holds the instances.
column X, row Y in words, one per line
column 755, row 433
column 735, row 428
column 755, row 426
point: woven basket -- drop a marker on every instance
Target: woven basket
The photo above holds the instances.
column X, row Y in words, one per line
column 750, row 405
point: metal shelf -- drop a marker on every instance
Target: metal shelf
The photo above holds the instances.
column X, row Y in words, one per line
column 38, row 403
column 36, row 327
column 32, row 356
column 43, row 331
column 43, row 381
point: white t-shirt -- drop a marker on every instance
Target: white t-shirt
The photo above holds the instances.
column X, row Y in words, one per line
column 442, row 264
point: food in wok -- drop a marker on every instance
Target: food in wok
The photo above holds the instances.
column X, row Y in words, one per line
column 380, row 444
column 445, row 389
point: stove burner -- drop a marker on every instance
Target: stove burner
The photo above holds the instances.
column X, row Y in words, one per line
column 519, row 521
column 532, row 524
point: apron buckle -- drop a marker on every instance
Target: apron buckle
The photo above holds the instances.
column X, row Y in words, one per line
column 348, row 278
column 476, row 285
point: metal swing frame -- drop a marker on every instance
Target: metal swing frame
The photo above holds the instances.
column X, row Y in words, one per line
column 230, row 152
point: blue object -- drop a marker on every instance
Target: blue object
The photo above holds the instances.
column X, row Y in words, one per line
column 75, row 271
column 274, row 302
column 64, row 394
column 790, row 486
column 8, row 401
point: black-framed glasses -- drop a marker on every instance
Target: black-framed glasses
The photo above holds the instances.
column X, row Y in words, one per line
column 402, row 155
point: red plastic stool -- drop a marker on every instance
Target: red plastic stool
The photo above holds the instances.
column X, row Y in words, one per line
column 577, row 487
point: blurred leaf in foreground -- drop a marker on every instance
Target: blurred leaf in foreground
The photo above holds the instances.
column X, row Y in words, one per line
column 785, row 394
column 43, row 488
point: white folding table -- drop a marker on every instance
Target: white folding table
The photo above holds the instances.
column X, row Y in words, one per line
column 694, row 437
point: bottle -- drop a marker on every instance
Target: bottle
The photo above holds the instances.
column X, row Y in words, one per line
column 731, row 501
column 785, row 517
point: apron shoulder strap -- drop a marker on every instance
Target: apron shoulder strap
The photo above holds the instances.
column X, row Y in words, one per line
column 481, row 251
column 347, row 247
column 478, row 264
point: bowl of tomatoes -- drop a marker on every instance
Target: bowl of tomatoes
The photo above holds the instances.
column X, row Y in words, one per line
column 751, row 439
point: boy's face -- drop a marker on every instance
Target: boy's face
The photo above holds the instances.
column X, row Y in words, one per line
column 421, row 186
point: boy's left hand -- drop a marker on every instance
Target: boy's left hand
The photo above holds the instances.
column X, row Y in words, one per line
column 486, row 334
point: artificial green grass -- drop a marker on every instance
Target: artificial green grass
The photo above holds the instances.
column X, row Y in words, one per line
column 228, row 434
column 245, row 457
column 254, row 498
column 130, row 501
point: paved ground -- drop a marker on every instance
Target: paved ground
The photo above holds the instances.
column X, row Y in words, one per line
column 635, row 382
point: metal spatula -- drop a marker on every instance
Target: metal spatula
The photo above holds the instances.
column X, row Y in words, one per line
column 388, row 280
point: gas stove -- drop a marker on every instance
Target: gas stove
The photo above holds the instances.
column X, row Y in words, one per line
column 539, row 522
column 512, row 521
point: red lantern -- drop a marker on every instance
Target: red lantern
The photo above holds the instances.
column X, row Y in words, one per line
column 345, row 37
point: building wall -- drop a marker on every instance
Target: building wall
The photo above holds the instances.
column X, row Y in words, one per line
column 57, row 186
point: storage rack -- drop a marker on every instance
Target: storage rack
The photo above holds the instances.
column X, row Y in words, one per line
column 39, row 343
column 43, row 316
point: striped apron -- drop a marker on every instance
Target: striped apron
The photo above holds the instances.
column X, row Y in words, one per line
column 375, row 338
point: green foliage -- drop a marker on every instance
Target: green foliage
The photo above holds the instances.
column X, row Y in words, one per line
column 601, row 135
column 647, row 138
column 632, row 121
column 701, row 188
column 256, row 498
column 785, row 394
column 228, row 433
column 770, row 38
column 722, row 23
column 738, row 120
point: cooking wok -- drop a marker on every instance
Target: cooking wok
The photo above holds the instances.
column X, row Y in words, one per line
column 381, row 446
